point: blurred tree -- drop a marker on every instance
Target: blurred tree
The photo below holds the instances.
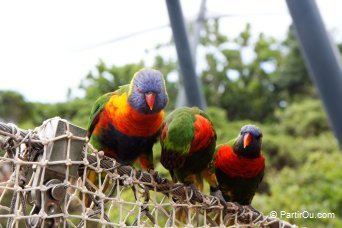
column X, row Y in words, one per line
column 302, row 128
column 239, row 73
column 103, row 79
column 304, row 118
column 293, row 81
column 76, row 110
column 316, row 187
column 14, row 108
column 250, row 79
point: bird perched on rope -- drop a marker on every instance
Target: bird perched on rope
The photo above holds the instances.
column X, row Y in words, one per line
column 126, row 123
column 239, row 166
column 188, row 142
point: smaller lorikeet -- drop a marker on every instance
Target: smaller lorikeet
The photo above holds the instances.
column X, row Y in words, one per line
column 188, row 142
column 239, row 166
column 127, row 122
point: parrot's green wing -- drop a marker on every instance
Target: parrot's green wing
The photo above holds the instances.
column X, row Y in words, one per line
column 96, row 111
column 122, row 89
column 180, row 130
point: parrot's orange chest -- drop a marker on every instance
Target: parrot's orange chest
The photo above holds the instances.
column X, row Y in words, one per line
column 237, row 166
column 127, row 120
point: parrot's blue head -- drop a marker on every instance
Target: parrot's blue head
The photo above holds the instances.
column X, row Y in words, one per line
column 147, row 91
column 248, row 143
column 252, row 129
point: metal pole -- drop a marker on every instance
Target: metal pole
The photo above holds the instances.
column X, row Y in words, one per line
column 194, row 41
column 198, row 25
column 191, row 84
column 321, row 58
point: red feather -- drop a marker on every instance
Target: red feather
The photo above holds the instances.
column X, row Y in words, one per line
column 203, row 133
column 127, row 120
column 234, row 165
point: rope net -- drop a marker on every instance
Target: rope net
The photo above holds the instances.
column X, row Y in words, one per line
column 44, row 183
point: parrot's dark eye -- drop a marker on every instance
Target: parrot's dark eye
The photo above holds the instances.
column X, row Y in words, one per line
column 139, row 90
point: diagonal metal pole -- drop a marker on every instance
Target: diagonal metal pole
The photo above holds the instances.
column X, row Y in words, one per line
column 193, row 92
column 194, row 42
column 321, row 58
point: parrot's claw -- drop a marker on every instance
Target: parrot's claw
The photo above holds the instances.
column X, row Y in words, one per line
column 155, row 175
column 144, row 208
column 193, row 191
column 193, row 188
column 217, row 193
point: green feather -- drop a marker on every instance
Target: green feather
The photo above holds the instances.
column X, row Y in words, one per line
column 180, row 132
column 98, row 107
column 122, row 89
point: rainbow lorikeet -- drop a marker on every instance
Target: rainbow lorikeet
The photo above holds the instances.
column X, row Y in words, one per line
column 188, row 142
column 239, row 166
column 126, row 123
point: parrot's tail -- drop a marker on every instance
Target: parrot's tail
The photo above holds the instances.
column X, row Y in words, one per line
column 93, row 179
column 91, row 176
column 210, row 177
column 182, row 215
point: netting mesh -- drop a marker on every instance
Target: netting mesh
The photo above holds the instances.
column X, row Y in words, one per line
column 44, row 183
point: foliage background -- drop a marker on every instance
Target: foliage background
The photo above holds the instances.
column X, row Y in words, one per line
column 270, row 88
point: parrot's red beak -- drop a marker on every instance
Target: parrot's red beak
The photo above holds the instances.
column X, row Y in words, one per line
column 150, row 98
column 247, row 139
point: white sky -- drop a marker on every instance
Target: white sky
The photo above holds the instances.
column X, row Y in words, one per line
column 43, row 44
